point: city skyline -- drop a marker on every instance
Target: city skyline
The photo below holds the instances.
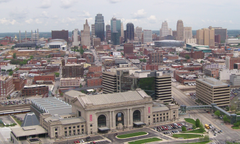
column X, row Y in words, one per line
column 47, row 15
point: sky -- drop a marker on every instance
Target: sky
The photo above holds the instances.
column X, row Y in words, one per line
column 47, row 15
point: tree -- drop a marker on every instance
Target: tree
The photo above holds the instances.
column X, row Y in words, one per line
column 197, row 123
column 226, row 119
column 56, row 74
column 202, row 61
column 201, row 129
column 12, row 47
column 31, row 57
column 61, row 94
column 80, row 85
column 10, row 73
column 144, row 60
column 184, row 128
column 193, row 127
column 233, row 107
column 187, row 57
column 81, row 50
column 14, row 56
column 217, row 113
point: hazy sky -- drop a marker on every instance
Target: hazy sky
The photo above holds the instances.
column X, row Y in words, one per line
column 47, row 15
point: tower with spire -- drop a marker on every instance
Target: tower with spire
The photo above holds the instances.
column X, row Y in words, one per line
column 85, row 35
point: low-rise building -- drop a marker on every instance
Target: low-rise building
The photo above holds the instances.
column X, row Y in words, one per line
column 34, row 90
column 235, row 80
column 70, row 82
column 94, row 82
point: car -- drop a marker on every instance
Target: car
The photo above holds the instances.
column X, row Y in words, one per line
column 215, row 134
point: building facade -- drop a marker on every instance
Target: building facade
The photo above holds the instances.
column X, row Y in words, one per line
column 180, row 30
column 75, row 38
column 85, row 35
column 93, row 30
column 115, row 31
column 187, row 33
column 211, row 90
column 99, row 26
column 60, row 35
column 130, row 31
column 33, row 90
column 165, row 31
column 147, row 36
column 128, row 48
column 70, row 82
column 7, row 86
column 72, row 70
column 138, row 32
column 222, row 32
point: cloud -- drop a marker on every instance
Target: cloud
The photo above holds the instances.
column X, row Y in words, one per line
column 85, row 14
column 38, row 21
column 16, row 14
column 29, row 21
column 2, row 1
column 114, row 1
column 67, row 3
column 152, row 17
column 139, row 14
column 44, row 14
column 45, row 4
column 7, row 21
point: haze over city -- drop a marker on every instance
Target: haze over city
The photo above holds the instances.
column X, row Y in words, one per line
column 47, row 15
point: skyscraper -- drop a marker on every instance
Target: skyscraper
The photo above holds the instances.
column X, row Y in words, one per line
column 99, row 26
column 188, row 32
column 115, row 31
column 85, row 35
column 130, row 31
column 147, row 36
column 75, row 38
column 57, row 35
column 93, row 29
column 199, row 36
column 165, row 31
column 206, row 36
column 222, row 32
column 122, row 30
column 108, row 33
column 139, row 33
column 180, row 30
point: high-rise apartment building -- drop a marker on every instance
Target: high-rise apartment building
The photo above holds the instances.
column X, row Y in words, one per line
column 187, row 32
column 165, row 31
column 130, row 31
column 222, row 32
column 60, row 35
column 180, row 30
column 99, row 26
column 147, row 36
column 154, row 83
column 206, row 36
column 93, row 29
column 75, row 38
column 138, row 32
column 85, row 35
column 108, row 33
column 115, row 31
column 210, row 90
column 7, row 87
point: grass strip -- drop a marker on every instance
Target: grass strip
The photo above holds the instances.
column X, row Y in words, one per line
column 131, row 135
column 145, row 141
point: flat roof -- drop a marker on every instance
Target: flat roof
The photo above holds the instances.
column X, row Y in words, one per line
column 212, row 82
column 28, row 130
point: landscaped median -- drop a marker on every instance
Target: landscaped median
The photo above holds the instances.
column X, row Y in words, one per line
column 123, row 136
column 142, row 141
column 192, row 121
column 195, row 131
column 186, row 136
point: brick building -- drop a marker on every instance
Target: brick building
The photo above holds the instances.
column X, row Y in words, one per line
column 212, row 72
column 34, row 90
column 55, row 54
column 4, row 62
column 7, row 86
column 155, row 57
column 192, row 54
column 94, row 82
column 89, row 57
column 128, row 48
column 184, row 76
column 172, row 57
column 50, row 77
column 72, row 60
column 150, row 67
column 70, row 82
column 19, row 83
column 81, row 60
column 63, row 34
column 95, row 69
column 230, row 61
column 72, row 70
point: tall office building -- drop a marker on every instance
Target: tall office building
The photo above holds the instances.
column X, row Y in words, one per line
column 206, row 36
column 85, row 35
column 108, row 33
column 188, row 32
column 147, row 36
column 199, row 36
column 210, row 90
column 130, row 31
column 99, row 26
column 93, row 29
column 180, row 30
column 115, row 31
column 165, row 31
column 122, row 30
column 138, row 32
column 75, row 38
column 154, row 83
column 222, row 32
column 60, row 35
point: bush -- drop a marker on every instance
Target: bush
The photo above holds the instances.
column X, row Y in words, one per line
column 197, row 123
column 184, row 128
column 193, row 127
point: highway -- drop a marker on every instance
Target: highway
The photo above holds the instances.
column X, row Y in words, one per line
column 228, row 134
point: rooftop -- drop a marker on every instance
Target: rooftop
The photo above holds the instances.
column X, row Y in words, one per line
column 212, row 82
column 28, row 131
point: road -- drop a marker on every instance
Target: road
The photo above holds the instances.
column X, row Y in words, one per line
column 206, row 118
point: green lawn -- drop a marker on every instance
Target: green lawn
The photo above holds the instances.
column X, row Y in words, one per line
column 200, row 142
column 186, row 136
column 145, row 141
column 131, row 135
column 233, row 127
column 195, row 131
column 192, row 121
column 18, row 121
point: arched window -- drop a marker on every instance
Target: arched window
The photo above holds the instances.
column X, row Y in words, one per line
column 136, row 116
column 119, row 118
column 101, row 121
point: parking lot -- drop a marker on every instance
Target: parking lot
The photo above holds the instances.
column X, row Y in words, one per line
column 172, row 128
